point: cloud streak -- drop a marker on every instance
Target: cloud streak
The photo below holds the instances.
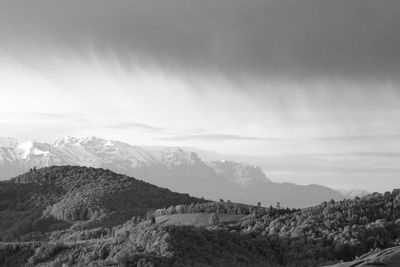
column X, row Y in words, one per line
column 307, row 38
column 215, row 137
column 134, row 125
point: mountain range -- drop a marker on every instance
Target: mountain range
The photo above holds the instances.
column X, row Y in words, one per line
column 171, row 167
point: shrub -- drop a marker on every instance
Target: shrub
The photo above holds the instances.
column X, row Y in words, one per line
column 214, row 219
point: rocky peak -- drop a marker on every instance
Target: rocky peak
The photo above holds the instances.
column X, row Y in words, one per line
column 8, row 142
column 175, row 156
column 238, row 172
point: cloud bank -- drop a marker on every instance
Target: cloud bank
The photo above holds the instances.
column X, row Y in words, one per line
column 310, row 86
column 307, row 38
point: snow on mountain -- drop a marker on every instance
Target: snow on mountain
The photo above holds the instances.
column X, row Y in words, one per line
column 88, row 151
column 25, row 149
column 175, row 156
column 7, row 154
column 170, row 167
column 8, row 142
column 7, row 149
column 240, row 173
column 119, row 156
column 97, row 152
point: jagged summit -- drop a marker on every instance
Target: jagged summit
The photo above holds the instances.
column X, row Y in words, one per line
column 98, row 152
column 26, row 154
column 239, row 172
column 30, row 149
column 8, row 142
column 66, row 140
column 86, row 151
column 175, row 156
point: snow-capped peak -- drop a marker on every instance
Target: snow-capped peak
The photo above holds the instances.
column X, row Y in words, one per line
column 31, row 148
column 25, row 149
column 98, row 152
column 95, row 151
column 174, row 156
column 72, row 140
column 8, row 142
column 239, row 172
column 66, row 140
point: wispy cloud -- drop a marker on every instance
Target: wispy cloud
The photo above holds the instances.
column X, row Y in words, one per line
column 135, row 125
column 214, row 137
column 389, row 154
column 356, row 137
column 48, row 117
column 217, row 137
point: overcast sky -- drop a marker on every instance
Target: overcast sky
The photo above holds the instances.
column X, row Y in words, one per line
column 309, row 89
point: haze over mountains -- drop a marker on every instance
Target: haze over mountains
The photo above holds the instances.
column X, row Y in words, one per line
column 170, row 167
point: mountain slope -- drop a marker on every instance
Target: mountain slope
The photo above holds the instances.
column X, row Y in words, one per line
column 65, row 196
column 333, row 231
column 172, row 167
column 144, row 244
column 389, row 257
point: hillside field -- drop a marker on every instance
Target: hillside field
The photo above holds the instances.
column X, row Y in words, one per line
column 197, row 219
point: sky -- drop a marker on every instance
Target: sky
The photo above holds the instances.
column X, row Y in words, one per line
column 307, row 89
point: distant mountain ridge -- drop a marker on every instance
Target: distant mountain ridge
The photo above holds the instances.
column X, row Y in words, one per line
column 171, row 167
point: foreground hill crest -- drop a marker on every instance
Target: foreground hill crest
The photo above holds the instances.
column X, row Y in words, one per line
column 65, row 195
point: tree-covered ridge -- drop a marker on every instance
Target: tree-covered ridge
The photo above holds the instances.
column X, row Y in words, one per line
column 332, row 230
column 89, row 193
column 82, row 196
column 224, row 207
column 141, row 243
column 314, row 236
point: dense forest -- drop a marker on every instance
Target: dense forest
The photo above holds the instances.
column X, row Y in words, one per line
column 314, row 236
column 331, row 231
column 54, row 198
column 93, row 217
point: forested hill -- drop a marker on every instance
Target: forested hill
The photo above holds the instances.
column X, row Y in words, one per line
column 57, row 197
column 330, row 231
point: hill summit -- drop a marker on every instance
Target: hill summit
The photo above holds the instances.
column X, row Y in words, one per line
column 61, row 196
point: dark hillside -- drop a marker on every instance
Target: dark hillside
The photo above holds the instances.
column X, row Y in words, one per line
column 331, row 231
column 144, row 244
column 57, row 197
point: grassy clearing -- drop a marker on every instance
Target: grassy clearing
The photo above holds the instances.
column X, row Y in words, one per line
column 196, row 219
